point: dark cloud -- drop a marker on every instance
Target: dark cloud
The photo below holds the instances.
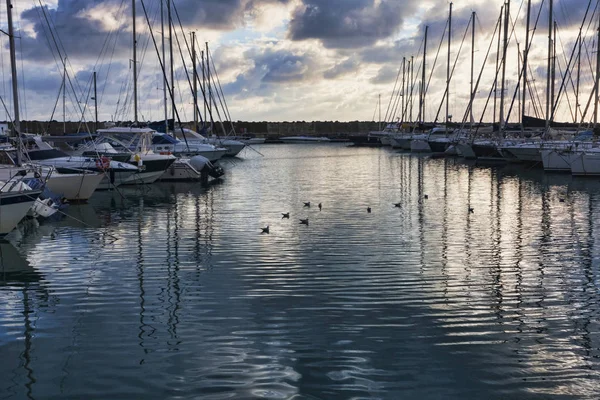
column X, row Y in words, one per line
column 386, row 74
column 272, row 68
column 345, row 67
column 349, row 23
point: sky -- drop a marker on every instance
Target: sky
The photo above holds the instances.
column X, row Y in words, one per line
column 289, row 60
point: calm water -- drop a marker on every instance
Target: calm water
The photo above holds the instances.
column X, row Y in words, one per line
column 172, row 292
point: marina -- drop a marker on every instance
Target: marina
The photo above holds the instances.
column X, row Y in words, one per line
column 195, row 202
column 171, row 290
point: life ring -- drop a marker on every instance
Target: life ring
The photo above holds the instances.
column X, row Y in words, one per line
column 103, row 163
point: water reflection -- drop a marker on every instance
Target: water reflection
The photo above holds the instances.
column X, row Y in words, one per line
column 171, row 291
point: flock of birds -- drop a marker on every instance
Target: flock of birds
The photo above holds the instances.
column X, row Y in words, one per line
column 307, row 205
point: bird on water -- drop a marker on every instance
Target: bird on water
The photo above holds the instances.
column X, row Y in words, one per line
column 265, row 230
column 426, row 197
column 304, row 221
column 285, row 215
column 368, row 209
column 397, row 205
column 320, row 206
column 307, row 204
column 471, row 210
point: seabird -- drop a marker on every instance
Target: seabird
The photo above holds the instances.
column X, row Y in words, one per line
column 368, row 209
column 285, row 215
column 307, row 204
column 471, row 210
column 426, row 197
column 304, row 221
column 561, row 200
column 397, row 205
column 265, row 230
column 320, row 206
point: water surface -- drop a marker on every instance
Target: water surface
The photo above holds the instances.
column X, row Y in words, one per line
column 171, row 291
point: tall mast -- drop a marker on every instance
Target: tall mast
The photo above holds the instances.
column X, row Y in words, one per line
column 553, row 77
column 95, row 102
column 472, row 64
column 135, row 97
column 506, row 17
column 412, row 82
column 548, row 70
column 170, row 22
column 497, row 58
column 380, row 112
column 195, row 73
column 422, row 97
column 403, row 86
column 448, row 68
column 525, row 55
column 203, row 85
column 64, row 97
column 13, row 70
column 597, row 79
column 207, row 58
column 162, row 34
column 578, row 81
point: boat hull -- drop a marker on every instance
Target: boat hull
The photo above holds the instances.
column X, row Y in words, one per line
column 74, row 187
column 14, row 207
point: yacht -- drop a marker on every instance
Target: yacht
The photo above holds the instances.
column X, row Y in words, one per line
column 232, row 146
column 16, row 199
column 167, row 144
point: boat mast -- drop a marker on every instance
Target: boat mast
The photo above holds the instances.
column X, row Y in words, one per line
column 597, row 79
column 64, row 85
column 95, row 102
column 403, row 86
column 578, row 80
column 195, row 73
column 497, row 58
column 506, row 16
column 135, row 97
column 548, row 70
column 162, row 34
column 209, row 87
column 553, row 85
column 448, row 67
column 380, row 112
column 525, row 55
column 412, row 83
column 203, row 85
column 422, row 105
column 170, row 22
column 472, row 64
column 13, row 70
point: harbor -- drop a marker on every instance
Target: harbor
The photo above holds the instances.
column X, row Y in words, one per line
column 303, row 199
column 171, row 290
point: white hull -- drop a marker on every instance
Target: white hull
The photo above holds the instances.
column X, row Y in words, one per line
column 180, row 170
column 420, row 146
column 585, row 164
column 143, row 178
column 401, row 142
column 525, row 153
column 557, row 160
column 465, row 150
column 12, row 214
column 119, row 179
column 74, row 187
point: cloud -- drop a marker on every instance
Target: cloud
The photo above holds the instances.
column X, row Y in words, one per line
column 386, row 74
column 348, row 23
column 345, row 67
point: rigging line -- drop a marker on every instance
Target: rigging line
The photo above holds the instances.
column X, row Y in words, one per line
column 587, row 51
column 453, row 67
column 535, row 93
column 391, row 96
column 222, row 106
column 518, row 86
column 204, row 96
column 162, row 66
column 60, row 54
column 555, row 105
column 228, row 114
column 470, row 106
column 565, row 92
column 436, row 56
